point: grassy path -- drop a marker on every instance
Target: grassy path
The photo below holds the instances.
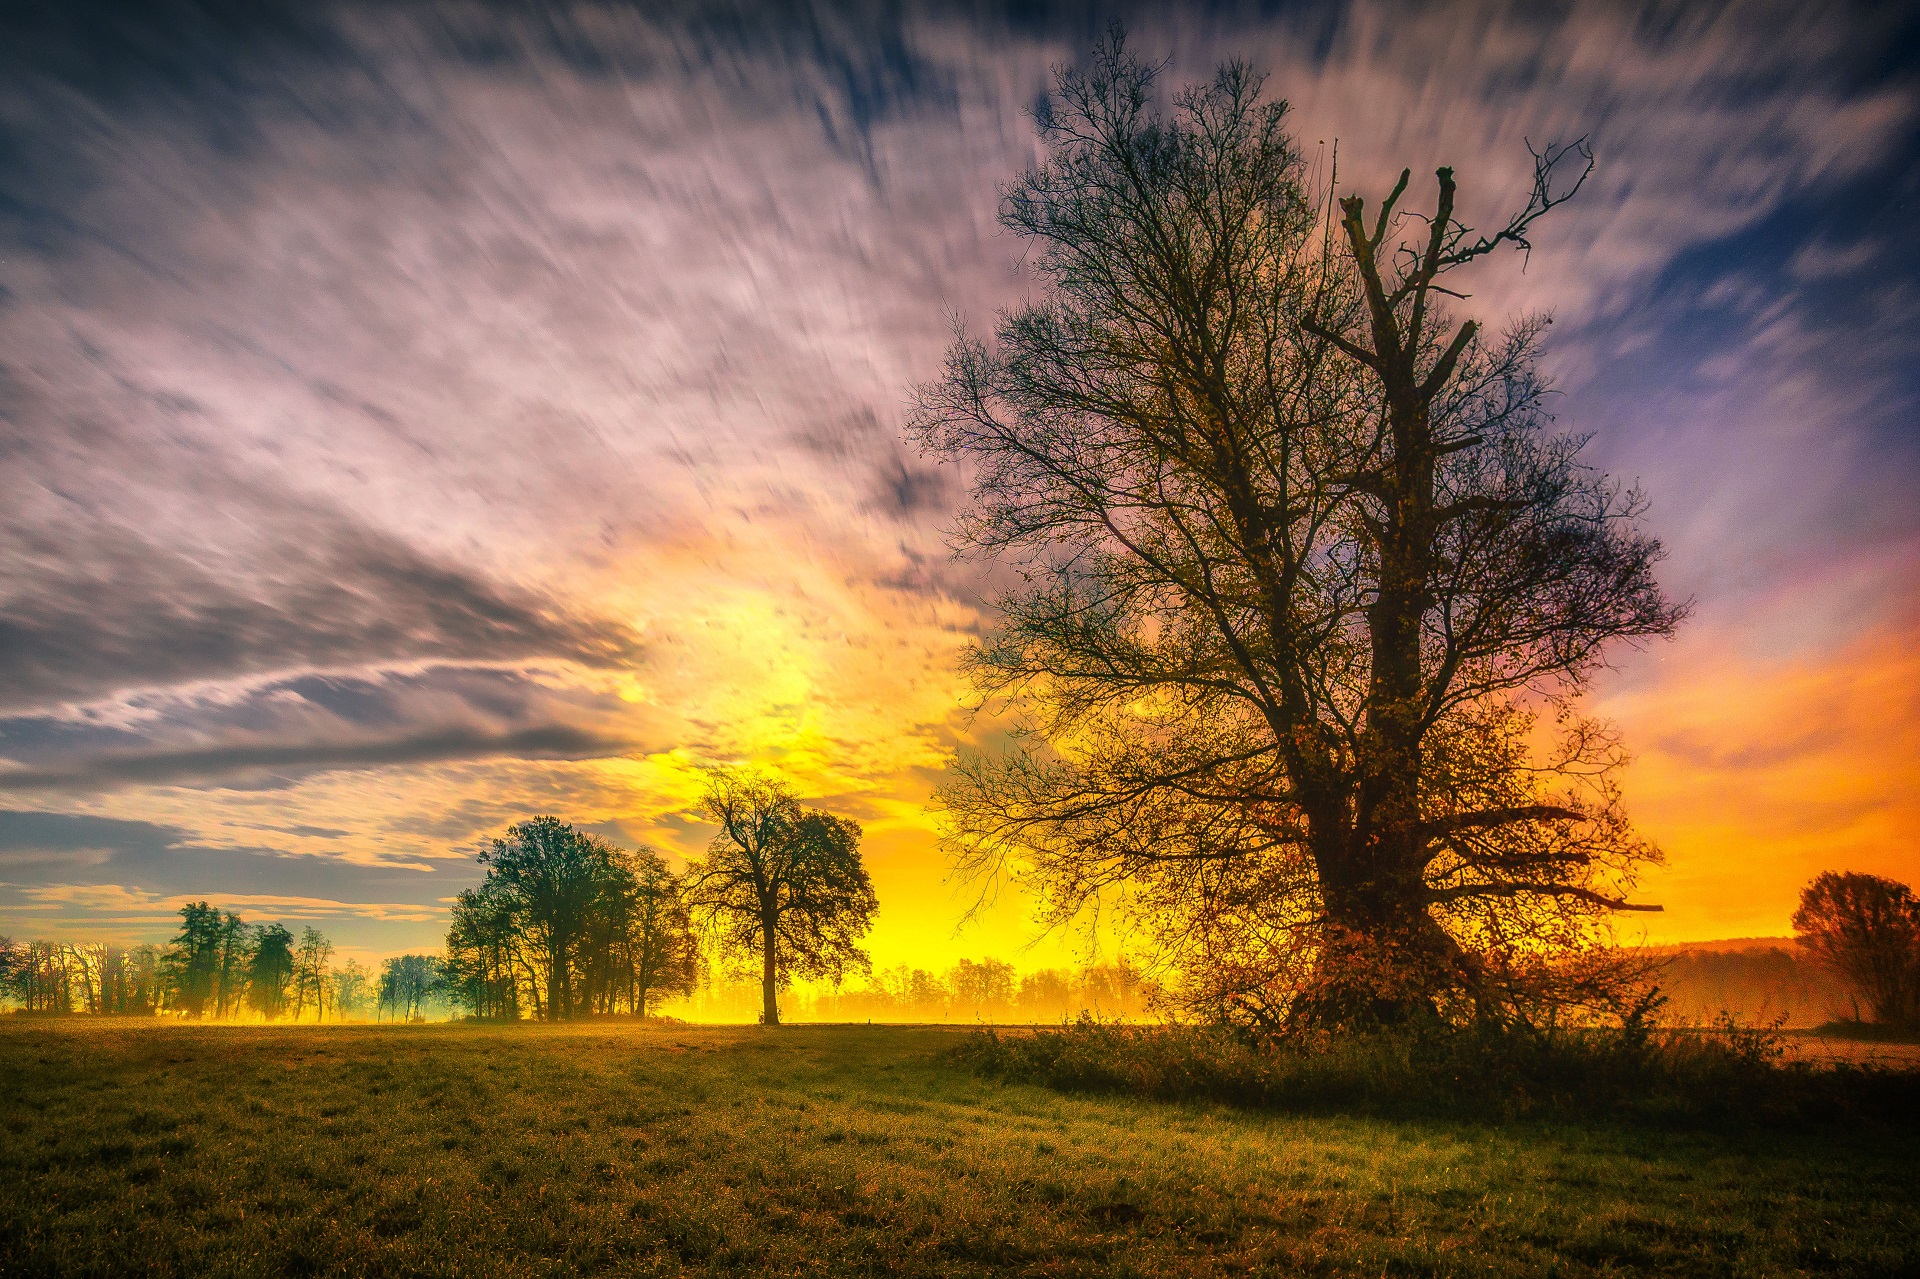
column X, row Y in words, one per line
column 840, row 1150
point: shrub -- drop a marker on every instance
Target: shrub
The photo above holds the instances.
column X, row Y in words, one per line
column 1633, row 1071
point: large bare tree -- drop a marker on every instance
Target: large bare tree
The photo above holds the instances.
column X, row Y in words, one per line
column 1298, row 571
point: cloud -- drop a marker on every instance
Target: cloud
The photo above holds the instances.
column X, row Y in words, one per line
column 273, row 733
column 281, row 765
column 117, row 905
column 129, row 874
column 96, row 597
column 39, row 843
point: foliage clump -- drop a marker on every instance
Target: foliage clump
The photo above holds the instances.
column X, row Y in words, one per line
column 1866, row 930
column 566, row 925
column 782, row 885
column 1630, row 1071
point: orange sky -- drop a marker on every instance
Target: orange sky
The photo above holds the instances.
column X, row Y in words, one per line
column 1760, row 764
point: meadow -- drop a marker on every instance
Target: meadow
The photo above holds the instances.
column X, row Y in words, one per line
column 129, row 1148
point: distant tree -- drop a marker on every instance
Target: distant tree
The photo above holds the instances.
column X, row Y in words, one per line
column 142, row 989
column 270, row 966
column 86, row 969
column 1297, row 559
column 925, row 995
column 1113, row 990
column 42, row 978
column 982, row 989
column 1046, row 995
column 310, row 972
column 235, row 949
column 190, row 968
column 781, row 883
column 549, row 878
column 657, row 947
column 407, row 982
column 1866, row 930
column 350, row 987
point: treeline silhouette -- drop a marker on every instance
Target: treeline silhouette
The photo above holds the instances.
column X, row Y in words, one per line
column 566, row 925
column 221, row 968
column 628, row 949
column 1763, row 980
column 218, row 967
column 991, row 990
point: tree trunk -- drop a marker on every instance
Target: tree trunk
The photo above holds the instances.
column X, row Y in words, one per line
column 769, row 974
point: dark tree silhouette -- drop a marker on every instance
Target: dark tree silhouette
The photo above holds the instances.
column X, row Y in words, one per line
column 233, row 948
column 310, row 973
column 567, row 925
column 348, row 989
column 1866, row 930
column 1296, row 565
column 488, row 964
column 656, row 939
column 407, row 982
column 781, row 883
column 191, row 967
column 270, row 970
column 551, row 875
column 115, row 980
column 40, row 978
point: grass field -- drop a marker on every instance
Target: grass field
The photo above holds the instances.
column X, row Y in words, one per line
column 841, row 1150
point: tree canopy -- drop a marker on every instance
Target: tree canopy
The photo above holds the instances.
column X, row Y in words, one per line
column 782, row 883
column 1866, row 930
column 566, row 925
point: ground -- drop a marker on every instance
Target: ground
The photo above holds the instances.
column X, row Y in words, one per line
column 128, row 1148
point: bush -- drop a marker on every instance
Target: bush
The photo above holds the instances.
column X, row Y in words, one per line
column 1729, row 1073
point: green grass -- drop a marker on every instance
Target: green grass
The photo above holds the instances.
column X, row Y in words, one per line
column 840, row 1150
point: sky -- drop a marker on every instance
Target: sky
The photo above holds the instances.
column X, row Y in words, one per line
column 414, row 419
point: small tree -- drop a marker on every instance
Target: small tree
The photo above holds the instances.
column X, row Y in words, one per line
column 310, row 972
column 270, row 970
column 190, row 968
column 349, row 989
column 660, row 953
column 406, row 983
column 783, row 883
column 1866, row 930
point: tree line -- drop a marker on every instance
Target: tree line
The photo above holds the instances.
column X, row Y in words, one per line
column 218, row 967
column 992, row 990
column 563, row 925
